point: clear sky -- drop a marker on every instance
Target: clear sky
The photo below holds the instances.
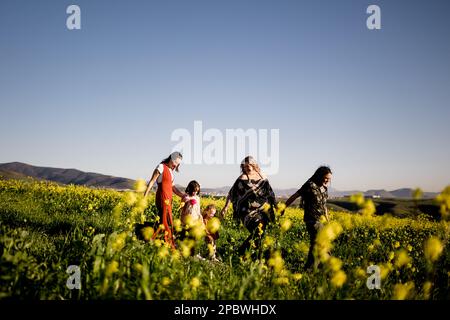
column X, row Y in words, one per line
column 372, row 104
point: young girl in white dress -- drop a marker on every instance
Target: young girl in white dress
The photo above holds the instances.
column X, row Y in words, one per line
column 191, row 206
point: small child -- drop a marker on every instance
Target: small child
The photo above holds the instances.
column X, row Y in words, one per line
column 209, row 213
column 191, row 203
column 191, row 212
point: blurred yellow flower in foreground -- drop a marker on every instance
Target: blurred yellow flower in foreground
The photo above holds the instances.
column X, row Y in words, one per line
column 163, row 252
column 391, row 256
column 433, row 249
column 339, row 279
column 118, row 242
column 195, row 283
column 138, row 267
column 444, row 201
column 427, row 286
column 276, row 262
column 140, row 186
column 297, row 276
column 213, row 225
column 280, row 208
column 130, row 198
column 282, row 281
column 403, row 291
column 147, row 233
column 335, row 264
column 165, row 281
column 285, row 224
column 112, row 268
column 177, row 225
column 402, row 259
column 186, row 247
column 268, row 242
column 158, row 243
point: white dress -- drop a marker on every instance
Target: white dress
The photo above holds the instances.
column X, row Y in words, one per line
column 192, row 208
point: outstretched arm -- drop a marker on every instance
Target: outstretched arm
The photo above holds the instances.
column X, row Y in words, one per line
column 292, row 198
column 152, row 181
column 227, row 203
column 178, row 192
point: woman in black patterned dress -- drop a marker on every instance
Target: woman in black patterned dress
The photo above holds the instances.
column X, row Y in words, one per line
column 253, row 202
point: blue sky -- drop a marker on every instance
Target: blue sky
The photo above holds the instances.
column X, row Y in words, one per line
column 374, row 105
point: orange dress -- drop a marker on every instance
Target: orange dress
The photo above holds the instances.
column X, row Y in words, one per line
column 164, row 205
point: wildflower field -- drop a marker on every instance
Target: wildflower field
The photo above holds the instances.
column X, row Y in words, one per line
column 45, row 228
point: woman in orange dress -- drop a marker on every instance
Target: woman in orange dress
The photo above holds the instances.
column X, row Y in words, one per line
column 163, row 175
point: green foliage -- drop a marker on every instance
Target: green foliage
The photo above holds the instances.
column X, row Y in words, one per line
column 44, row 228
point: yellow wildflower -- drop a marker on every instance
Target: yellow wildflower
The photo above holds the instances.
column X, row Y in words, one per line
column 165, row 281
column 276, row 262
column 403, row 291
column 433, row 249
column 280, row 208
column 213, row 225
column 402, row 259
column 268, row 242
column 147, row 233
column 427, row 289
column 266, row 207
column 195, row 283
column 112, row 268
column 158, row 243
column 198, row 232
column 130, row 198
column 140, row 186
column 285, row 225
column 163, row 252
column 177, row 225
column 118, row 242
column 339, row 279
column 335, row 264
column 282, row 281
column 297, row 276
column 391, row 256
column 138, row 267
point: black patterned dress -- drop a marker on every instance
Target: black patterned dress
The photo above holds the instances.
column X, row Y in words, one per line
column 253, row 202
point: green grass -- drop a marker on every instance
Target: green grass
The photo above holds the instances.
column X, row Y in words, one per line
column 44, row 228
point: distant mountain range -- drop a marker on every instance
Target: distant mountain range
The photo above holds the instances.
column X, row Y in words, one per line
column 18, row 170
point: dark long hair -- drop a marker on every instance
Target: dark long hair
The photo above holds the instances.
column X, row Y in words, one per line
column 317, row 178
column 320, row 173
column 192, row 187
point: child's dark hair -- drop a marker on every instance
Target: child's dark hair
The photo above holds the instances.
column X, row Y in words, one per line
column 192, row 187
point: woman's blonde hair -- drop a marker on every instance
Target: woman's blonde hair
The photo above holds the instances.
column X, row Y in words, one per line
column 252, row 162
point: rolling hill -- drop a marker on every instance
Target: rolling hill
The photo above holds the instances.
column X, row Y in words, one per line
column 18, row 170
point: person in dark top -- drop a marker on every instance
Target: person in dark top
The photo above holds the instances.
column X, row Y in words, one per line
column 253, row 202
column 314, row 195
